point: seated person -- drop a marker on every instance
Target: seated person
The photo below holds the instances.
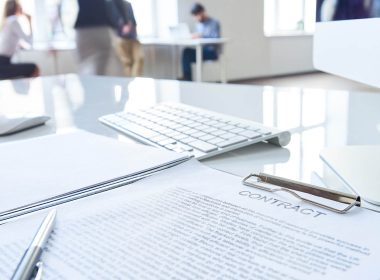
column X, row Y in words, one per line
column 11, row 35
column 206, row 27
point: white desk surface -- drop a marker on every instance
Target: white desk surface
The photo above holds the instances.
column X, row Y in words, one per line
column 182, row 42
column 71, row 45
column 317, row 118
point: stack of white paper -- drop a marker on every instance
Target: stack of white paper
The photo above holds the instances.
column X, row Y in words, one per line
column 50, row 170
column 192, row 222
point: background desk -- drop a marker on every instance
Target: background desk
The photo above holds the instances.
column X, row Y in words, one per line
column 198, row 45
column 54, row 48
column 316, row 118
column 56, row 52
column 60, row 57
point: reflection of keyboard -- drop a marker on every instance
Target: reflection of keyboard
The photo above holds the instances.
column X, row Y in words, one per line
column 183, row 128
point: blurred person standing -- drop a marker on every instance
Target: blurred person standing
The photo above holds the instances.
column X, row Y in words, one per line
column 94, row 36
column 12, row 36
column 206, row 27
column 127, row 46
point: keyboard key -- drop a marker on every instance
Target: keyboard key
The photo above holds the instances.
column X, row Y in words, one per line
column 209, row 130
column 156, row 120
column 173, row 134
column 205, row 120
column 147, row 124
column 219, row 125
column 218, row 132
column 250, row 134
column 216, row 118
column 242, row 125
column 187, row 122
column 253, row 128
column 224, row 121
column 172, row 117
column 159, row 128
column 227, row 136
column 171, row 146
column 187, row 148
column 234, row 123
column 180, row 136
column 213, row 122
column 188, row 140
column 176, row 126
column 233, row 141
column 195, row 118
column 183, row 129
column 206, row 137
column 203, row 146
column 197, row 124
column 129, row 119
column 191, row 132
column 237, row 130
column 159, row 138
column 179, row 150
column 167, row 142
column 216, row 140
column 168, row 131
column 194, row 125
column 228, row 127
column 140, row 130
column 167, row 123
column 198, row 134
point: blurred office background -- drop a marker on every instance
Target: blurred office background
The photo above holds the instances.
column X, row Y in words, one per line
column 267, row 38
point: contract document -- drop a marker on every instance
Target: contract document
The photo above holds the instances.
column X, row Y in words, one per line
column 192, row 222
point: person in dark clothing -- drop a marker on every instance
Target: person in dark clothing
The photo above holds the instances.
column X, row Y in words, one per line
column 94, row 36
column 11, row 36
column 206, row 27
column 92, row 13
column 345, row 9
column 353, row 9
column 128, row 47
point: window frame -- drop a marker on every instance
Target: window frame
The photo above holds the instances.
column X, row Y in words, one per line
column 277, row 32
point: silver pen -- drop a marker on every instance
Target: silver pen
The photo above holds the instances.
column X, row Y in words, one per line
column 30, row 264
column 290, row 186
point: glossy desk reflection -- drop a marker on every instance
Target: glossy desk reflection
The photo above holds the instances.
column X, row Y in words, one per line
column 317, row 118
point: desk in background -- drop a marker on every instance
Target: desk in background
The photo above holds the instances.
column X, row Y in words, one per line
column 64, row 60
column 54, row 48
column 42, row 51
column 198, row 45
column 317, row 118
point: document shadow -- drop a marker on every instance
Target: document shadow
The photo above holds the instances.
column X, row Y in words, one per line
column 252, row 158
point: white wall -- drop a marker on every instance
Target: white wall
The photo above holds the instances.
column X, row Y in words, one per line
column 249, row 54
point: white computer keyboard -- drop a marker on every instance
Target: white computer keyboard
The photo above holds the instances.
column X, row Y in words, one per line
column 186, row 129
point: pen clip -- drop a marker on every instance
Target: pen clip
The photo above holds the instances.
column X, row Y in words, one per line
column 309, row 189
column 39, row 269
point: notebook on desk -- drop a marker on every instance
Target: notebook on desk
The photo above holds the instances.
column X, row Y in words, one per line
column 51, row 170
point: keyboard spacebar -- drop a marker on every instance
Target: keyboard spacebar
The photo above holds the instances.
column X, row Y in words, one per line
column 203, row 146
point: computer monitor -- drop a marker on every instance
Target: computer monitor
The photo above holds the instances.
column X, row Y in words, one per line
column 347, row 39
